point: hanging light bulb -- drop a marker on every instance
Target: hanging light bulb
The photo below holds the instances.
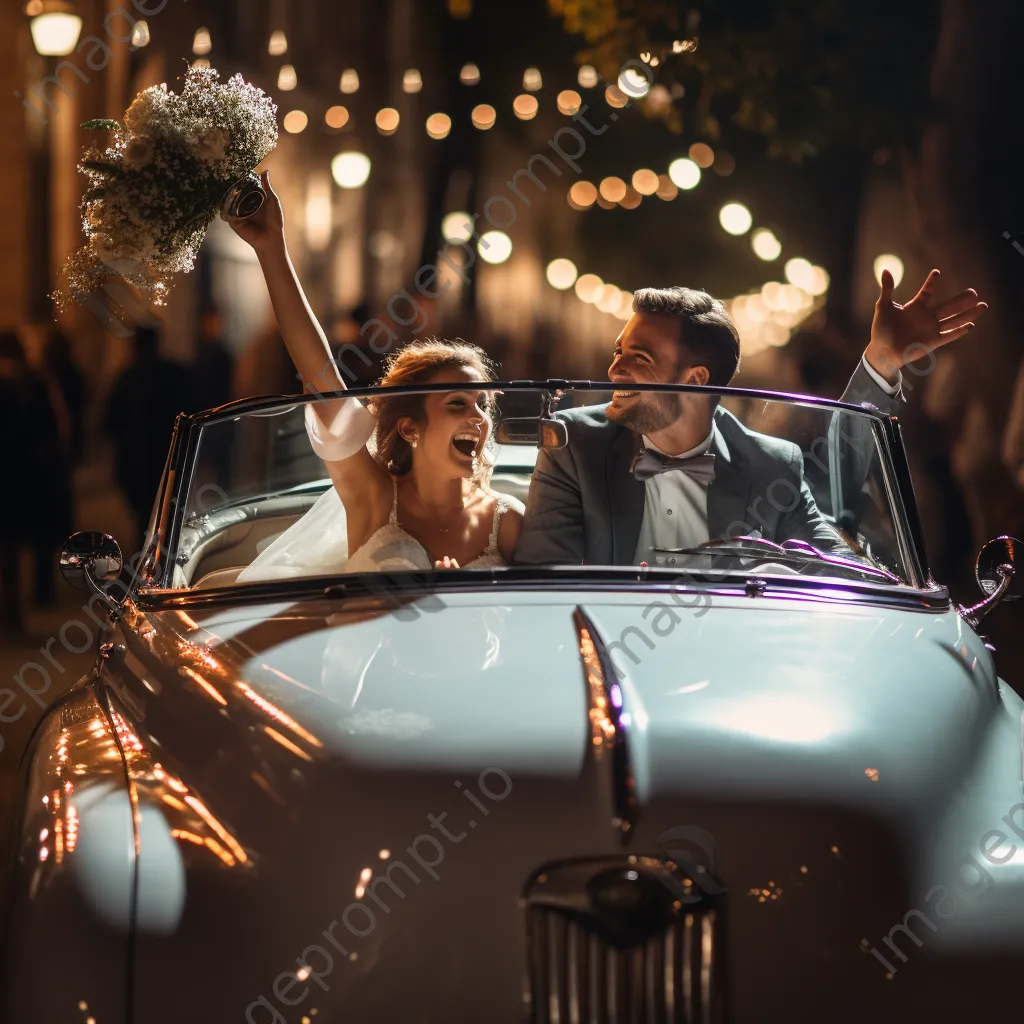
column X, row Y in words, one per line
column 287, row 79
column 469, row 75
column 587, row 76
column 349, row 80
column 532, row 80
column 140, row 35
column 412, row 81
column 55, row 29
column 278, row 45
column 202, row 44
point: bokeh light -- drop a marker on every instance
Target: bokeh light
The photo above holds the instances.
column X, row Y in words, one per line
column 278, row 45
column 350, row 170
column 202, row 44
column 582, row 194
column 412, row 81
column 666, row 188
column 615, row 97
column 387, row 120
column 349, row 81
column 494, row 247
column 892, row 263
column 609, row 299
column 532, row 80
column 799, row 272
column 725, row 163
column 336, row 117
column 684, row 173
column 634, row 84
column 702, row 154
column 645, row 181
column 735, row 218
column 569, row 102
column 287, row 79
column 295, row 121
column 525, row 107
column 589, row 287
column 438, row 126
column 587, row 76
column 456, row 227
column 765, row 245
column 469, row 75
column 484, row 116
column 632, row 199
column 561, row 274
column 612, row 189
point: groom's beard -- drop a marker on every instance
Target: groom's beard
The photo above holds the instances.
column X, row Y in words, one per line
column 650, row 412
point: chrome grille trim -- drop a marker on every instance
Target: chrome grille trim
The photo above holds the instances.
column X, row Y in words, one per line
column 578, row 978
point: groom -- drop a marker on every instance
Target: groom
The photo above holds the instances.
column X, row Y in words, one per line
column 618, row 491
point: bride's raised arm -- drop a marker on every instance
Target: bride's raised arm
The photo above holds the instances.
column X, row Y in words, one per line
column 338, row 431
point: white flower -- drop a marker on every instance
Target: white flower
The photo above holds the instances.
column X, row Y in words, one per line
column 138, row 152
column 212, row 146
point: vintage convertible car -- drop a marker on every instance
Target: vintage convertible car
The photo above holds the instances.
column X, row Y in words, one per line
column 750, row 780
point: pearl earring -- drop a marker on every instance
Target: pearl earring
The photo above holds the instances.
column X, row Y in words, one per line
column 413, row 442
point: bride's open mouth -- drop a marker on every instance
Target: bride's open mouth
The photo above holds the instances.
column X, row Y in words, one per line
column 466, row 444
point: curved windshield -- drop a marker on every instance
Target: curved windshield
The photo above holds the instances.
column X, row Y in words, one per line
column 676, row 481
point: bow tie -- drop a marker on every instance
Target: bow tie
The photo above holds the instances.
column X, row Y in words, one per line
column 650, row 463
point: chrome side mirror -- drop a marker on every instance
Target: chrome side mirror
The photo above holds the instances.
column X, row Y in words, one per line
column 526, row 430
column 997, row 571
column 89, row 559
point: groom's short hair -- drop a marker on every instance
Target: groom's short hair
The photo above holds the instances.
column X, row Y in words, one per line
column 706, row 331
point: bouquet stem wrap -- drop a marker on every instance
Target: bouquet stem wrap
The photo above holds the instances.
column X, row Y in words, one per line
column 168, row 170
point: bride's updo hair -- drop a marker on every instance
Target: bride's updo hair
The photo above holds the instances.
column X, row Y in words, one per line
column 416, row 364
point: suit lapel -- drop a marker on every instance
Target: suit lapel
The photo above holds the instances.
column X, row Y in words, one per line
column 729, row 492
column 625, row 497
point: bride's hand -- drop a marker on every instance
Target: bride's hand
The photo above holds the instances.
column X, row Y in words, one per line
column 265, row 228
column 446, row 563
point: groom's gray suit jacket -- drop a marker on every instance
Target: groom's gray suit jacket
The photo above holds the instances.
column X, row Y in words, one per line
column 585, row 506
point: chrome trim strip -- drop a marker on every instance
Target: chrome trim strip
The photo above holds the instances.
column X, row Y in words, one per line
column 609, row 732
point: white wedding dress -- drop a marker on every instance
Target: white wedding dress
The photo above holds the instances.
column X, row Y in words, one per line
column 317, row 544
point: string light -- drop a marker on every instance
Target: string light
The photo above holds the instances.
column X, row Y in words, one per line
column 892, row 263
column 735, row 218
column 561, row 274
column 765, row 245
column 587, row 76
column 612, row 189
column 702, row 154
column 609, row 299
column 140, row 35
column 684, row 173
column 589, row 287
column 614, row 98
column 287, row 79
column 634, row 84
column 469, row 75
column 532, row 80
column 645, row 181
column 438, row 126
column 336, row 117
column 412, row 81
column 295, row 121
column 569, row 102
column 725, row 163
column 278, row 45
column 387, row 120
column 666, row 188
column 525, row 107
column 350, row 170
column 484, row 116
column 582, row 195
column 201, row 42
column 631, row 200
column 494, row 247
column 457, row 227
column 349, row 81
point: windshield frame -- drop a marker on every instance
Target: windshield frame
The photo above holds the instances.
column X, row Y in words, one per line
column 885, row 428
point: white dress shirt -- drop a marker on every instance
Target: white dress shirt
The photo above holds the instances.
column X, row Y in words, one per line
column 675, row 509
column 676, row 505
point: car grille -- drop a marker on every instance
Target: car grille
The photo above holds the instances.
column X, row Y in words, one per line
column 661, row 972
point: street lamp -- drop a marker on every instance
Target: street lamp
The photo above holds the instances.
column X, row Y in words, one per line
column 55, row 27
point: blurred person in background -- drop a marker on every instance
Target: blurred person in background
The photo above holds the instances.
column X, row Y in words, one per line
column 61, row 372
column 141, row 409
column 213, row 374
column 31, row 459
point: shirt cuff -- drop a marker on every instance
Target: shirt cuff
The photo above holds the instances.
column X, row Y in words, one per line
column 349, row 427
column 889, row 389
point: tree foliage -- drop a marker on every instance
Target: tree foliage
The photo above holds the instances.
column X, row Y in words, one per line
column 801, row 74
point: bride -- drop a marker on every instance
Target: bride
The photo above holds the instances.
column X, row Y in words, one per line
column 419, row 495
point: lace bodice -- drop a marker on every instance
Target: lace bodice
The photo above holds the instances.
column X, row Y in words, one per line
column 391, row 549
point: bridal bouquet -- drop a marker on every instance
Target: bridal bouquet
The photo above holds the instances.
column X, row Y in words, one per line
column 166, row 172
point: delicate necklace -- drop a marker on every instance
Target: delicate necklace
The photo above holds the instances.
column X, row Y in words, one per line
column 438, row 509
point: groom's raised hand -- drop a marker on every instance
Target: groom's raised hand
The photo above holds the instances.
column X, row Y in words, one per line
column 901, row 334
